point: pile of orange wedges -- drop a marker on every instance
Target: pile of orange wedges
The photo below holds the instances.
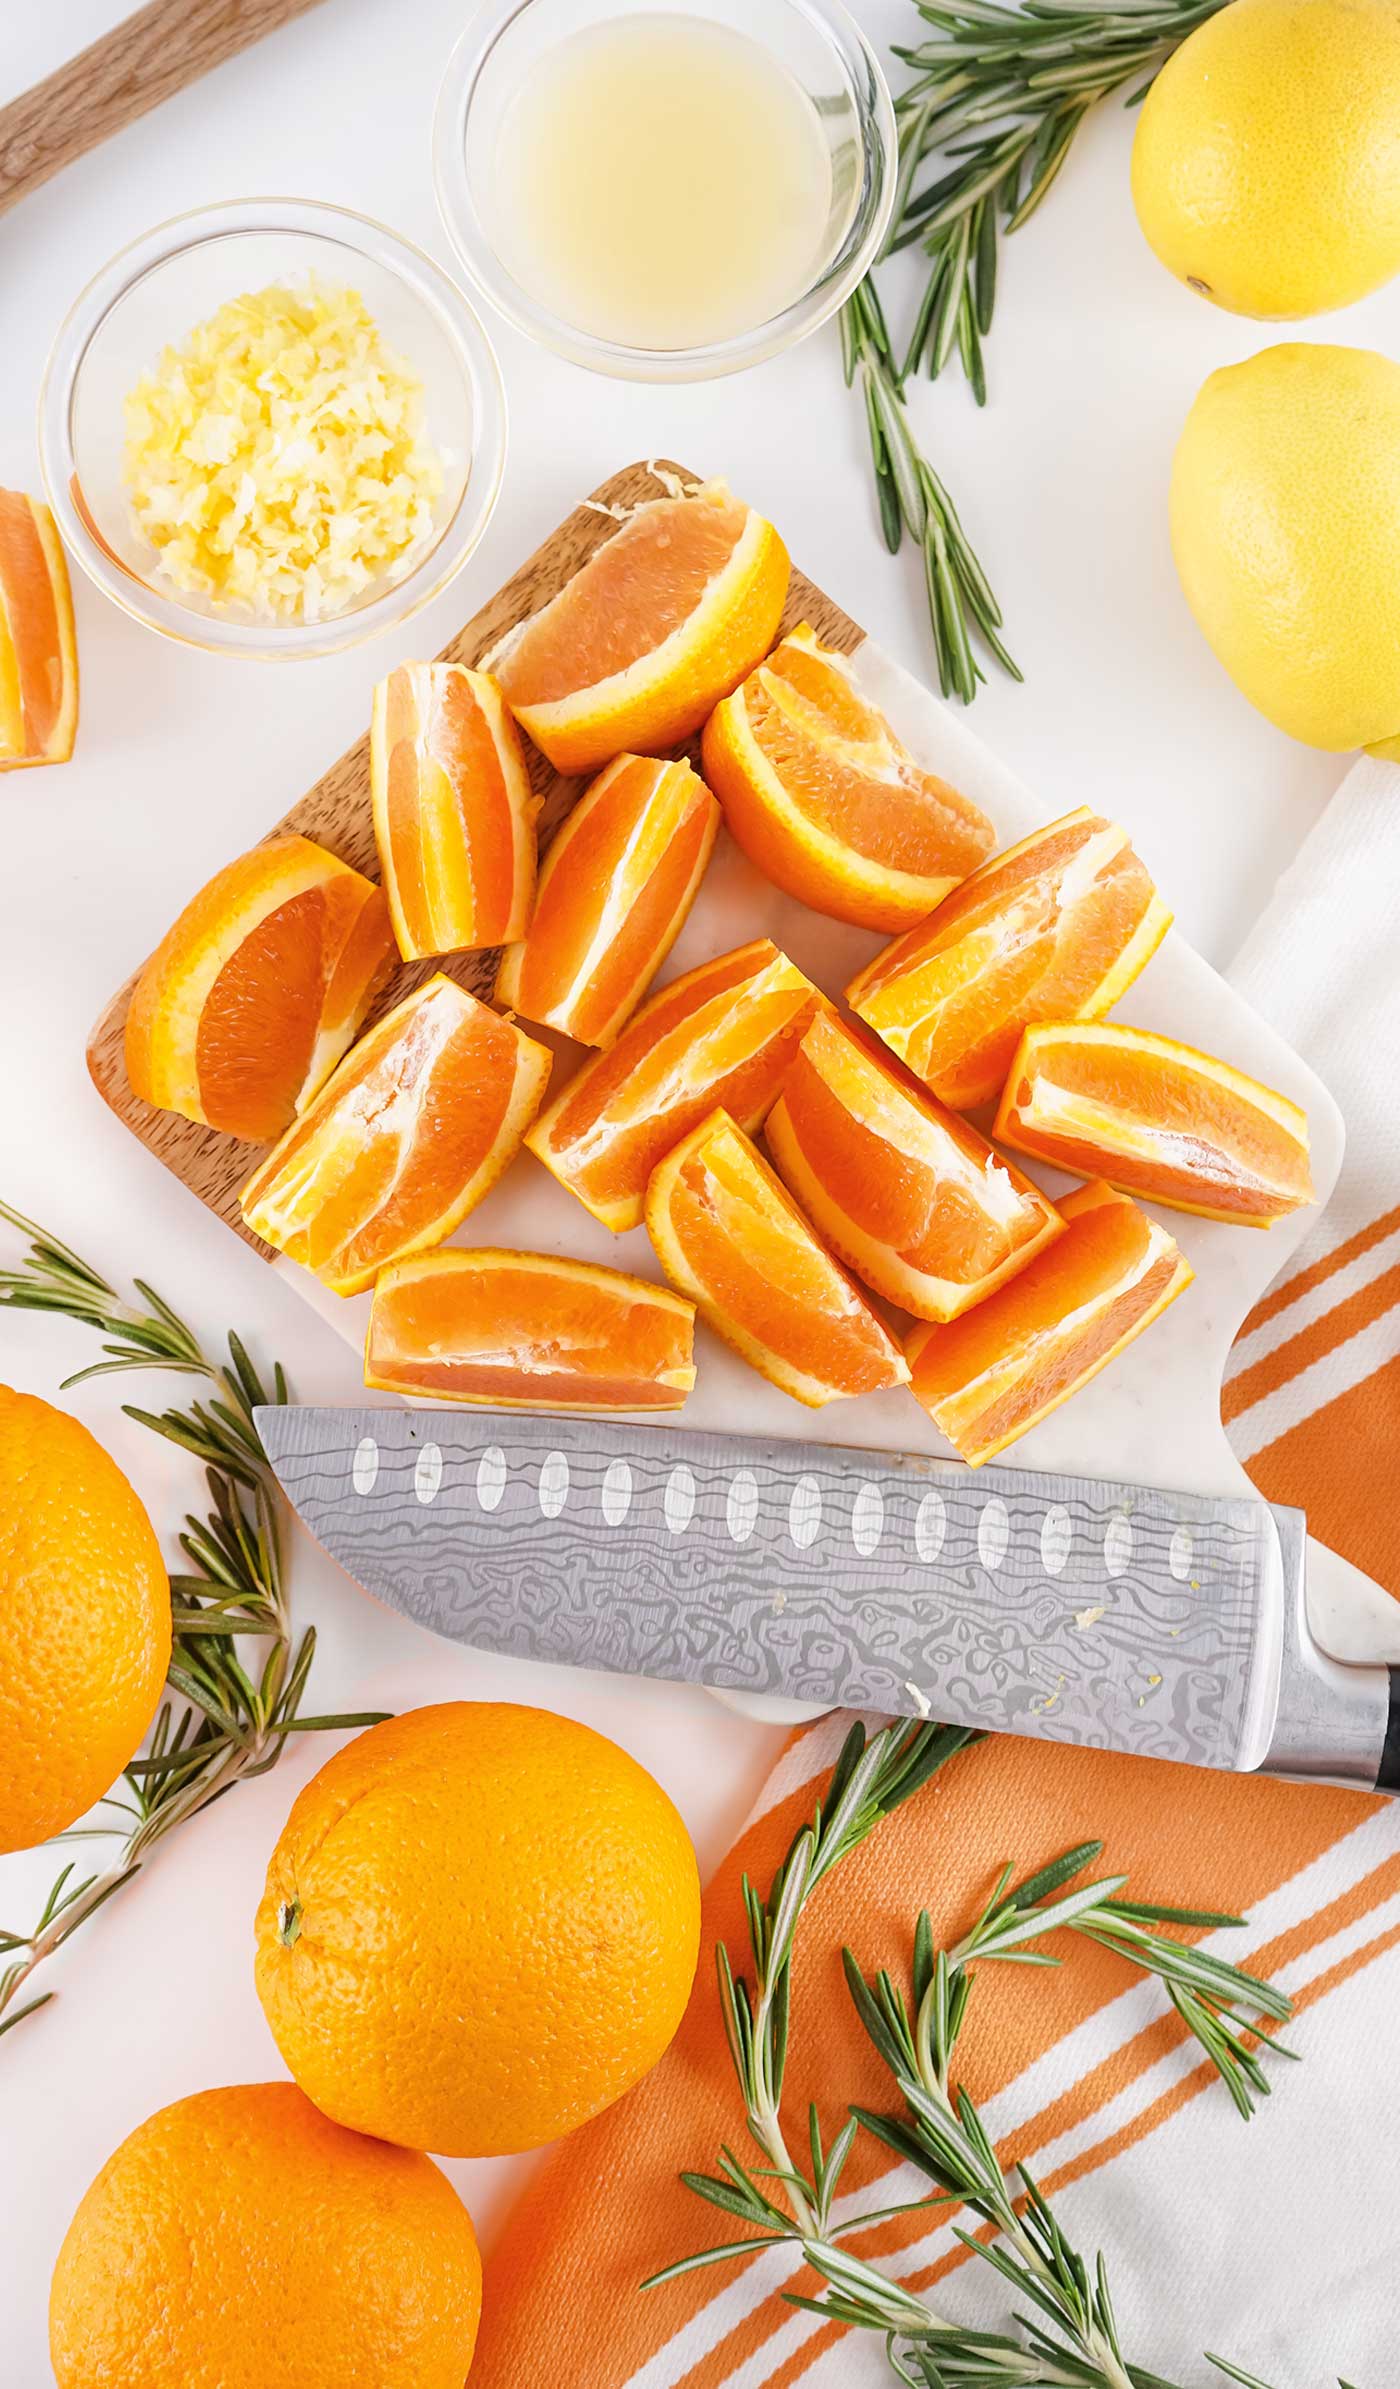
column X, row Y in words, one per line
column 883, row 1238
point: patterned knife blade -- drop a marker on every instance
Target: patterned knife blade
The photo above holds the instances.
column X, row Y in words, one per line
column 1079, row 1610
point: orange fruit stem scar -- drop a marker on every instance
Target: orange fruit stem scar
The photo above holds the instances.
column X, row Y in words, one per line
column 993, row 1374
column 250, row 1000
column 528, row 1331
column 618, row 880
column 1159, row 1119
column 721, row 1035
column 730, row 1237
column 404, row 1140
column 664, row 619
column 454, row 811
column 1055, row 928
column 910, row 1196
column 38, row 644
column 825, row 800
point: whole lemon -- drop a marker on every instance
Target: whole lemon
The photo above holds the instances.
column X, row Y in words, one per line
column 480, row 1927
column 1285, row 525
column 1266, row 165
column 241, row 2240
column 84, row 1620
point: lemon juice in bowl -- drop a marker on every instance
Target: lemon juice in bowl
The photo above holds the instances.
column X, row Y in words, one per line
column 665, row 191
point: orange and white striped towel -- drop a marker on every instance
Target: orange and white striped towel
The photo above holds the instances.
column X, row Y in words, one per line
column 1275, row 2242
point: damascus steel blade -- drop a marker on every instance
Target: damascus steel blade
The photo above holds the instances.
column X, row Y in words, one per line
column 1068, row 1608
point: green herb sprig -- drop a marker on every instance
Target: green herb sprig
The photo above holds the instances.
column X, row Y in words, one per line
column 228, row 1720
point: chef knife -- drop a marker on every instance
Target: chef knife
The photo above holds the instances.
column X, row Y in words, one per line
column 1073, row 1609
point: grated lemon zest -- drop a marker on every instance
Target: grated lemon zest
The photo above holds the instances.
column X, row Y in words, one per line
column 278, row 461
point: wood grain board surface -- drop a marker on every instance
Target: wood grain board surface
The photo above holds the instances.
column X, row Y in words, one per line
column 144, row 60
column 336, row 813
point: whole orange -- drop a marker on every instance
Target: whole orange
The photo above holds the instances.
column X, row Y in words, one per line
column 240, row 2240
column 84, row 1620
column 480, row 1927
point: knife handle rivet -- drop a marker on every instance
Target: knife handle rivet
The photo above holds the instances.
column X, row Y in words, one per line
column 1181, row 1554
column 1056, row 1539
column 930, row 1527
column 679, row 1504
column 554, row 1484
column 741, row 1508
column 867, row 1519
column 427, row 1473
column 805, row 1512
column 1118, row 1545
column 364, row 1467
column 993, row 1534
column 617, row 1492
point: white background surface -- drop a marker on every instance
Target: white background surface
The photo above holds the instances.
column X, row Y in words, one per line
column 184, row 759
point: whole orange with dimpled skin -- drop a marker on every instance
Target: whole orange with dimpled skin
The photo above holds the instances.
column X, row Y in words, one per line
column 480, row 1927
column 240, row 2240
column 84, row 1620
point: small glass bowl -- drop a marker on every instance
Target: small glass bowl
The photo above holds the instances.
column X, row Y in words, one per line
column 154, row 293
column 820, row 46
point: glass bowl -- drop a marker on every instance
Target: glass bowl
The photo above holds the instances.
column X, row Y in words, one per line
column 155, row 292
column 815, row 41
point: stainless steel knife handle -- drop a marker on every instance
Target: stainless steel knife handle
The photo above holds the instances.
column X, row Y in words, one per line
column 1336, row 1723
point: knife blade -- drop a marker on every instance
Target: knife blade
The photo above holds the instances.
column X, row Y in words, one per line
column 1072, row 1609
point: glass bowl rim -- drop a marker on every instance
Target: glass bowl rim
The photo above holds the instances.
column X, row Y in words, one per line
column 477, row 255
column 429, row 285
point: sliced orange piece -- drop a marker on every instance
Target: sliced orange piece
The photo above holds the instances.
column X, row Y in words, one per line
column 454, row 812
column 1053, row 929
column 915, row 1200
column 38, row 649
column 250, row 1000
column 986, row 1378
column 1158, row 1118
column 663, row 620
column 526, row 1331
column 823, row 798
column 403, row 1140
column 729, row 1235
column 722, row 1035
column 617, row 883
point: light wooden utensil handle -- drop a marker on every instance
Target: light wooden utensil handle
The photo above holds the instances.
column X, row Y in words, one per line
column 142, row 61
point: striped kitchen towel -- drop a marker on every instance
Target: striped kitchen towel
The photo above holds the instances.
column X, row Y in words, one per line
column 1276, row 2242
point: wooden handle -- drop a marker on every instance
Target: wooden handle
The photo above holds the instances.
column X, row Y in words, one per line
column 142, row 61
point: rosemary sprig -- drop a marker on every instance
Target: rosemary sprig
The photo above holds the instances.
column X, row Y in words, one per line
column 997, row 97
column 912, row 498
column 228, row 1721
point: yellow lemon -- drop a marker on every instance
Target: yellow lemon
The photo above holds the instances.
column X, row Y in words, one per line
column 1266, row 165
column 1285, row 524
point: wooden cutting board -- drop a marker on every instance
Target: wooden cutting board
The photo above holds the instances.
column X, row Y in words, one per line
column 336, row 813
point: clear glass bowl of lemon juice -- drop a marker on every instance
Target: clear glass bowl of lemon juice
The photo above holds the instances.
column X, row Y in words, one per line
column 663, row 191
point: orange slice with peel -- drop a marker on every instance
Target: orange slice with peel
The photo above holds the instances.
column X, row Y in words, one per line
column 908, row 1194
column 1055, row 928
column 722, row 1035
column 991, row 1375
column 38, row 648
column 1158, row 1118
column 661, row 622
column 617, row 883
column 528, row 1331
column 403, row 1140
column 253, row 995
column 730, row 1237
column 454, row 812
column 826, row 802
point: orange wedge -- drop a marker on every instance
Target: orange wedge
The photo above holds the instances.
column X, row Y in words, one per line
column 616, row 886
column 38, row 650
column 988, row 1377
column 525, row 1331
column 454, row 812
column 1158, row 1118
column 1054, row 929
column 722, row 1035
column 915, row 1200
column 820, row 794
column 250, row 1000
column 728, row 1235
column 404, row 1139
column 663, row 620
